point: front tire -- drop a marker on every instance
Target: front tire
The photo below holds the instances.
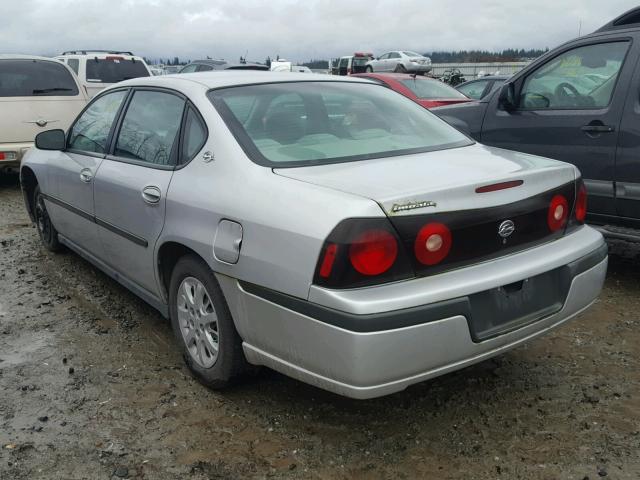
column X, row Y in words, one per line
column 47, row 232
column 202, row 325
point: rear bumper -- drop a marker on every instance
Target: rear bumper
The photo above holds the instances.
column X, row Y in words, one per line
column 378, row 353
column 16, row 151
column 413, row 67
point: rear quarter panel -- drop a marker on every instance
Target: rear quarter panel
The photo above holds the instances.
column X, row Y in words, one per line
column 284, row 221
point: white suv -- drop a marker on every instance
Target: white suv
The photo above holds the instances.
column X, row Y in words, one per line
column 36, row 94
column 97, row 69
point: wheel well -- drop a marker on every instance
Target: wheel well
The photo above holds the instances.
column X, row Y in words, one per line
column 168, row 255
column 29, row 183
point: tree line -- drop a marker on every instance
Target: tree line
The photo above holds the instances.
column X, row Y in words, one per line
column 476, row 56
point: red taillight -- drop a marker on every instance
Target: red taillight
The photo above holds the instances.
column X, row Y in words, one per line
column 581, row 203
column 328, row 259
column 1, row 155
column 433, row 243
column 558, row 213
column 373, row 252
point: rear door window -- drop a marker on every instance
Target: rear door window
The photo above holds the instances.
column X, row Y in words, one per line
column 205, row 68
column 150, row 127
column 36, row 78
column 114, row 69
column 91, row 131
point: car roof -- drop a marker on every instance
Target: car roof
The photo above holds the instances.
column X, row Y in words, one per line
column 98, row 54
column 395, row 76
column 490, row 77
column 229, row 78
column 209, row 61
column 18, row 56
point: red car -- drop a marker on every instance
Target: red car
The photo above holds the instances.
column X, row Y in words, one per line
column 426, row 91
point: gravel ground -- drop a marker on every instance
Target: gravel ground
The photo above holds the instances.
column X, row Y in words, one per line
column 93, row 387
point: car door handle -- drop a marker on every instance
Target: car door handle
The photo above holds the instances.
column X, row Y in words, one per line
column 151, row 194
column 597, row 128
column 86, row 175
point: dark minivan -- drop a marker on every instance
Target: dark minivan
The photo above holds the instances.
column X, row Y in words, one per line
column 579, row 103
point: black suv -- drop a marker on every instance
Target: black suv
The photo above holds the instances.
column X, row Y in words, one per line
column 579, row 103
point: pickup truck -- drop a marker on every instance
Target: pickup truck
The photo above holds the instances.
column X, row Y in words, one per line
column 578, row 103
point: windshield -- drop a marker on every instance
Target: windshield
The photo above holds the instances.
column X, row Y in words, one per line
column 113, row 70
column 431, row 89
column 305, row 123
column 28, row 78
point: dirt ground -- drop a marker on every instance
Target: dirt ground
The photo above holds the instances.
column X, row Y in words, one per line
column 92, row 387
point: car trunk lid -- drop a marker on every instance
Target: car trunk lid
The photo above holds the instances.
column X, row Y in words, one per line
column 446, row 179
column 482, row 202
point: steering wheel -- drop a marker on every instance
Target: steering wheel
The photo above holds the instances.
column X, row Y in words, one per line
column 566, row 91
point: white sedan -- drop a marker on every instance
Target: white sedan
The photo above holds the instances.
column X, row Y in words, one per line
column 330, row 229
column 400, row 61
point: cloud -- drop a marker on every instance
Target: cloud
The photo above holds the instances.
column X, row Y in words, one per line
column 295, row 29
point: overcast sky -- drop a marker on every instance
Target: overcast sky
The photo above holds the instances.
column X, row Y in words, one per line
column 294, row 29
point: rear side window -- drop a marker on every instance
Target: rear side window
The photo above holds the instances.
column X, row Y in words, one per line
column 205, row 68
column 195, row 136
column 114, row 69
column 91, row 130
column 150, row 127
column 35, row 78
column 74, row 63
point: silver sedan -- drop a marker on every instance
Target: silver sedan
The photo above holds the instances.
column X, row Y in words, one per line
column 400, row 61
column 327, row 228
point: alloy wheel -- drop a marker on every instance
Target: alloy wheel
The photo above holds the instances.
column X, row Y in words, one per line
column 198, row 322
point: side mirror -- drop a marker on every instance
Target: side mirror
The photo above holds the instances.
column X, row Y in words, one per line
column 51, row 140
column 507, row 99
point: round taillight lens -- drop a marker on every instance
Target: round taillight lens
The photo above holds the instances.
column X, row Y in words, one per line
column 432, row 244
column 581, row 204
column 558, row 213
column 373, row 252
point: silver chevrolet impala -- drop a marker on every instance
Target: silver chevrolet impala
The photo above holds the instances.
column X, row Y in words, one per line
column 332, row 230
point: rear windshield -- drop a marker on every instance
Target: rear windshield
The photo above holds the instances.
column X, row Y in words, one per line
column 29, row 78
column 360, row 61
column 306, row 123
column 431, row 89
column 113, row 70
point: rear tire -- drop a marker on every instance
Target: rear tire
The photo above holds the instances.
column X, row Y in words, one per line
column 202, row 324
column 400, row 68
column 369, row 69
column 47, row 232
